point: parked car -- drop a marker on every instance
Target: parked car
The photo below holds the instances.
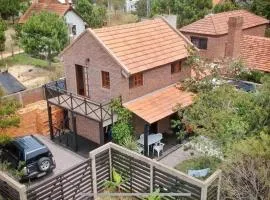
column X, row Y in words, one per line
column 30, row 155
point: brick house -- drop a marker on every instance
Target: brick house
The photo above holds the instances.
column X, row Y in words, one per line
column 76, row 24
column 210, row 34
column 254, row 51
column 141, row 62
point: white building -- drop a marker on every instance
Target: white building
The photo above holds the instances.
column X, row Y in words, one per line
column 130, row 5
column 73, row 19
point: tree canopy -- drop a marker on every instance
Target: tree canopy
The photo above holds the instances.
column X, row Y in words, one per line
column 225, row 6
column 95, row 15
column 187, row 11
column 44, row 34
column 259, row 7
column 9, row 8
column 3, row 28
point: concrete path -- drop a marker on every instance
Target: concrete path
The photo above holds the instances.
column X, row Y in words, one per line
column 178, row 156
column 5, row 55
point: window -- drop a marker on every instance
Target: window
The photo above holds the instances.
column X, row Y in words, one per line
column 105, row 79
column 74, row 30
column 136, row 80
column 176, row 67
column 201, row 43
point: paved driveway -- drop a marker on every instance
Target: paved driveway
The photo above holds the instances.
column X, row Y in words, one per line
column 63, row 157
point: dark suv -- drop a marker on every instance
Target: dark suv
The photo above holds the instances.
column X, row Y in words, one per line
column 34, row 157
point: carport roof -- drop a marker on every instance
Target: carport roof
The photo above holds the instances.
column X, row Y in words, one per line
column 159, row 104
column 10, row 84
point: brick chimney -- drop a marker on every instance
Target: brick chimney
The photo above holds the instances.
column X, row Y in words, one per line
column 235, row 25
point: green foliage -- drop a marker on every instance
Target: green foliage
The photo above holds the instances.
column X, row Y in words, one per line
column 187, row 11
column 154, row 196
column 259, row 7
column 4, row 139
column 122, row 128
column 24, row 5
column 226, row 114
column 3, row 27
column 94, row 15
column 25, row 59
column 15, row 173
column 225, row 6
column 198, row 163
column 8, row 116
column 9, row 8
column 252, row 76
column 115, row 183
column 130, row 143
column 246, row 172
column 44, row 33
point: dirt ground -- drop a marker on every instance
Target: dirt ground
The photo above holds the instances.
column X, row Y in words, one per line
column 30, row 76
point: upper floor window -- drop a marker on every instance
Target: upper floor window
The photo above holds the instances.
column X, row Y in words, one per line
column 105, row 79
column 136, row 80
column 74, row 30
column 176, row 67
column 199, row 42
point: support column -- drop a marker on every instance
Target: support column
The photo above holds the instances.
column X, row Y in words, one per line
column 146, row 133
column 74, row 127
column 50, row 120
column 101, row 133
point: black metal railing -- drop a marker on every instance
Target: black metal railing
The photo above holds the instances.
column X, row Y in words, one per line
column 57, row 94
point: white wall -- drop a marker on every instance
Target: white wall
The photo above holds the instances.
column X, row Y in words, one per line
column 130, row 5
column 73, row 19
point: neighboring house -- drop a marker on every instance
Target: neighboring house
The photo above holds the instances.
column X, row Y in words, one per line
column 76, row 24
column 253, row 50
column 141, row 62
column 130, row 5
column 10, row 84
column 210, row 34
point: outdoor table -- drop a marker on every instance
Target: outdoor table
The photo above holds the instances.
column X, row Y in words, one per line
column 152, row 139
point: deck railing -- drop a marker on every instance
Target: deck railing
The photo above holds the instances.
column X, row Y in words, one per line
column 57, row 94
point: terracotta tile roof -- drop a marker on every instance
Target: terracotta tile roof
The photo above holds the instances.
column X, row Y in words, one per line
column 59, row 9
column 143, row 45
column 159, row 104
column 217, row 24
column 255, row 52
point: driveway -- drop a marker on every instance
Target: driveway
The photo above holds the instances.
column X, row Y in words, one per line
column 63, row 157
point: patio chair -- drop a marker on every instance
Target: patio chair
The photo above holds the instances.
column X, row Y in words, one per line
column 158, row 147
column 140, row 149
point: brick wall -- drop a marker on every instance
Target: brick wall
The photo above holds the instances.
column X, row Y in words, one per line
column 216, row 44
column 28, row 96
column 34, row 120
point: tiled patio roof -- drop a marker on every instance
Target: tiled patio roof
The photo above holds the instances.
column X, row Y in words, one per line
column 159, row 104
column 255, row 52
column 217, row 24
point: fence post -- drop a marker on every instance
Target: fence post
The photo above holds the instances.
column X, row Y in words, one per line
column 94, row 174
column 219, row 185
column 204, row 193
column 151, row 177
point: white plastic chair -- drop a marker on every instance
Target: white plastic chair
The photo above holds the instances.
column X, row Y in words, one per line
column 158, row 147
column 140, row 149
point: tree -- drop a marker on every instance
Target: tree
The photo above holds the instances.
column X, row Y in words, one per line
column 94, row 15
column 44, row 34
column 187, row 11
column 226, row 115
column 3, row 28
column 8, row 116
column 246, row 171
column 9, row 8
column 259, row 7
column 225, row 6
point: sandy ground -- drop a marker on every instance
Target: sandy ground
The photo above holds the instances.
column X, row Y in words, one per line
column 30, row 76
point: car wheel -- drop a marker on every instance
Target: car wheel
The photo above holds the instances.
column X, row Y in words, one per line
column 44, row 164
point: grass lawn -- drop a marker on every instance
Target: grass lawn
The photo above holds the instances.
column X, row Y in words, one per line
column 24, row 59
column 201, row 162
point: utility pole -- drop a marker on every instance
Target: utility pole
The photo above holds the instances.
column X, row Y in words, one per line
column 148, row 7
